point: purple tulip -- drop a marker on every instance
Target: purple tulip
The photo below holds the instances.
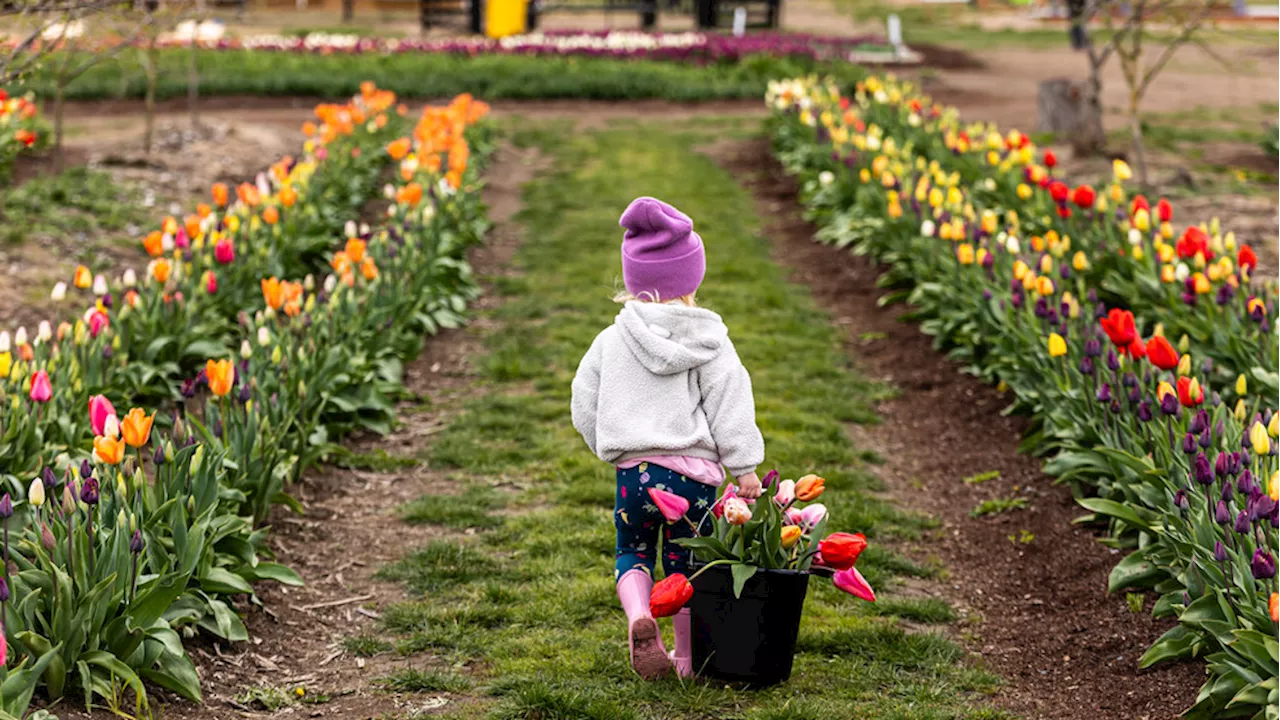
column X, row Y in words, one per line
column 135, row 542
column 4, row 591
column 1198, row 423
column 769, row 478
column 1104, row 392
column 1246, row 485
column 1113, row 360
column 1135, row 395
column 1144, row 411
column 1042, row 308
column 49, row 479
column 1093, row 348
column 1219, row 552
column 1204, row 473
column 1221, row 514
column 1206, row 440
column 1264, row 565
column 1242, row 523
column 1222, row 466
column 1228, row 491
column 85, row 469
column 1086, row 365
column 6, row 507
column 1180, row 499
column 158, row 458
column 89, row 493
column 1189, row 444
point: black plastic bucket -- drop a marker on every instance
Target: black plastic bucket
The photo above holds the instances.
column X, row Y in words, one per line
column 751, row 639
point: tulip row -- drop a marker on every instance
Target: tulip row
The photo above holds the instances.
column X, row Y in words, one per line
column 1178, row 457
column 20, row 129
column 114, row 566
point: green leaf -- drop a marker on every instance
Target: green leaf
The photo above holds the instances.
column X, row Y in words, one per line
column 272, row 571
column 1116, row 510
column 1178, row 642
column 707, row 548
column 741, row 574
column 1135, row 571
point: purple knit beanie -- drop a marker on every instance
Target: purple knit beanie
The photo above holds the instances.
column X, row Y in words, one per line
column 661, row 254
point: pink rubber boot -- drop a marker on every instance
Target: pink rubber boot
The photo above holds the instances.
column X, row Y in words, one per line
column 682, row 656
column 648, row 656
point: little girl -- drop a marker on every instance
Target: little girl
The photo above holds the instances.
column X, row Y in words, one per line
column 662, row 395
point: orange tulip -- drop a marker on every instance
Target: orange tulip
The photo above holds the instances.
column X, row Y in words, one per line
column 161, row 269
column 409, row 194
column 220, row 194
column 454, row 178
column 192, row 225
column 109, row 450
column 791, row 535
column 369, row 269
column 288, row 196
column 220, row 375
column 248, row 194
column 1273, row 605
column 271, row 216
column 153, row 243
column 397, row 149
column 273, row 293
column 203, row 210
column 136, row 427
column 309, row 128
column 341, row 262
column 355, row 250
column 809, row 487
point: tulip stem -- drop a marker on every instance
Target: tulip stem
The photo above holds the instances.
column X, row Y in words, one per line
column 708, row 566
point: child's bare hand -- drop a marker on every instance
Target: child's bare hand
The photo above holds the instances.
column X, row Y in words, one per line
column 749, row 486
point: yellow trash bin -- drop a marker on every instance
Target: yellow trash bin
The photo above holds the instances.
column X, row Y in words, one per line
column 505, row 17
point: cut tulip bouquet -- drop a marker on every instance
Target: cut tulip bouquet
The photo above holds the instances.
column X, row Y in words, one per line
column 783, row 530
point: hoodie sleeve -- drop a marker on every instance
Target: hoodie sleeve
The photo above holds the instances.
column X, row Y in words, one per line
column 731, row 411
column 586, row 392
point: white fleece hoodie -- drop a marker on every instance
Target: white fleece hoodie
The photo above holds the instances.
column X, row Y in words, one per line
column 666, row 380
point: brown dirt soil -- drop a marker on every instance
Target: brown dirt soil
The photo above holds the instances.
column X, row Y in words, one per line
column 1039, row 612
column 350, row 530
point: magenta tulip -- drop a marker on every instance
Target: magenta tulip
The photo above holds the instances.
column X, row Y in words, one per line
column 672, row 506
column 100, row 408
column 793, row 516
column 224, row 251
column 786, row 493
column 41, row 389
column 852, row 582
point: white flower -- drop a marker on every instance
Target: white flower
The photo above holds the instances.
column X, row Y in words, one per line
column 1012, row 245
column 130, row 278
column 913, row 120
column 264, row 337
column 246, row 350
column 4, row 342
column 389, row 191
column 364, row 229
column 1181, row 272
column 20, row 337
column 446, row 190
column 44, row 331
column 826, row 177
column 350, row 228
column 928, row 228
column 428, row 211
column 391, row 211
column 989, row 184
column 371, row 127
column 166, row 242
column 330, row 283
column 1135, row 236
column 873, row 142
column 111, row 428
column 100, row 285
column 59, row 292
column 263, row 188
column 881, row 96
column 309, row 282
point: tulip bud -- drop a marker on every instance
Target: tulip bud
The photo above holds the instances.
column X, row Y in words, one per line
column 191, row 504
column 1258, row 439
column 44, row 332
column 100, row 285
column 5, row 343
column 85, row 469
column 48, row 479
column 1184, row 365
column 196, row 459
column 246, row 350
column 276, row 355
column 309, row 282
column 135, row 543
column 89, row 493
column 330, row 283
column 1263, row 565
column 264, row 337
column 122, row 490
column 20, row 337
column 46, row 537
column 6, row 507
column 1219, row 552
column 35, row 496
column 4, row 591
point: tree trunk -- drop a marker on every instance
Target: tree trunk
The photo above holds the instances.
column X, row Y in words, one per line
column 150, row 101
column 193, row 83
column 58, row 112
column 1135, row 129
column 1072, row 112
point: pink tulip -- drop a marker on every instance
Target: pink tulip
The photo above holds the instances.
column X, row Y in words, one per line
column 180, row 240
column 100, row 408
column 852, row 582
column 736, row 511
column 730, row 491
column 793, row 516
column 812, row 515
column 786, row 493
column 41, row 389
column 225, row 251
column 210, row 282
column 672, row 506
column 98, row 322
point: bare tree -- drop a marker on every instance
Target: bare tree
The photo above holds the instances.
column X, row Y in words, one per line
column 40, row 25
column 1126, row 41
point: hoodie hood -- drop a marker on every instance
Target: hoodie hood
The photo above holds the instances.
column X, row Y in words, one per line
column 670, row 339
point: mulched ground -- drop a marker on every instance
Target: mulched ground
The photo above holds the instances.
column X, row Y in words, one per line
column 1038, row 613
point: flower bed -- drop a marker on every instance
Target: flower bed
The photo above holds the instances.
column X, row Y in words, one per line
column 1145, row 355
column 137, row 528
column 21, row 129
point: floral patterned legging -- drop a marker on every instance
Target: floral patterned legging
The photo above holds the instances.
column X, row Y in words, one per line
column 639, row 522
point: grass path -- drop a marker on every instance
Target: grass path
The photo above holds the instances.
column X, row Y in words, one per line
column 519, row 598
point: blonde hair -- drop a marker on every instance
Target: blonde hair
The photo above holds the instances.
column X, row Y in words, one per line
column 625, row 296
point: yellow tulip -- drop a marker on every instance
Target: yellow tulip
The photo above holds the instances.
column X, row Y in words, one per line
column 1242, row 385
column 1080, row 261
column 1044, row 286
column 790, row 536
column 1273, row 428
column 1184, row 365
column 1259, row 440
column 6, row 364
column 1142, row 220
column 1121, row 170
column 1024, row 191
column 1057, row 345
column 1020, row 269
column 1241, row 412
column 864, row 175
column 1273, row 487
column 1163, row 389
column 1046, row 264
column 964, row 254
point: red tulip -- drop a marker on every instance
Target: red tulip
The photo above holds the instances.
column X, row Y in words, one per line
column 1064, row 212
column 1194, row 241
column 1139, row 202
column 1136, row 348
column 1058, row 191
column 852, row 582
column 41, row 389
column 225, row 251
column 669, row 595
column 1164, row 210
column 1161, row 353
column 1083, row 196
column 1190, row 394
column 98, row 322
column 1050, row 159
column 841, row 550
column 1247, row 258
column 1119, row 326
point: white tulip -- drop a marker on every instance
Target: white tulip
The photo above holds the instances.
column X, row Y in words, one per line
column 246, row 350
column 20, row 337
column 111, row 428
column 130, row 278
column 44, row 331
column 4, row 342
column 264, row 337
column 100, row 285
column 928, row 228
column 826, row 177
column 1135, row 236
column 1013, row 246
column 59, row 292
column 1181, row 272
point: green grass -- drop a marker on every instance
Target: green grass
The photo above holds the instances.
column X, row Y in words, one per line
column 365, row 645
column 471, row 509
column 413, row 680
column 90, row 204
column 534, row 597
column 981, row 477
